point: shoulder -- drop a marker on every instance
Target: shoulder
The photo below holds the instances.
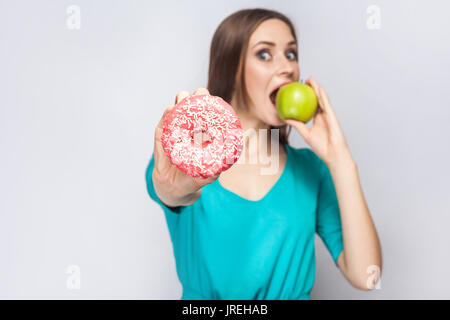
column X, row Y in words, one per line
column 306, row 158
column 304, row 154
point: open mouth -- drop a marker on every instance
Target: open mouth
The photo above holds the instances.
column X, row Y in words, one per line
column 273, row 96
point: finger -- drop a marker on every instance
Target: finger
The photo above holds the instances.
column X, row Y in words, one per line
column 201, row 182
column 324, row 101
column 160, row 156
column 181, row 95
column 319, row 120
column 158, row 150
column 316, row 87
column 300, row 127
column 326, row 105
column 165, row 113
column 313, row 83
column 201, row 91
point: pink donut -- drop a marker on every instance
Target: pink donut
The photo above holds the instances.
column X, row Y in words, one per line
column 202, row 135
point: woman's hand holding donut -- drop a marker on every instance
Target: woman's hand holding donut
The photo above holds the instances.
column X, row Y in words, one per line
column 173, row 186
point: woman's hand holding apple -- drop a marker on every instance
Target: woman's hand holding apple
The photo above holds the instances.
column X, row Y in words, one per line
column 325, row 137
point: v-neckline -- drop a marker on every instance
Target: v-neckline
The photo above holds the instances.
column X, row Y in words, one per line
column 268, row 193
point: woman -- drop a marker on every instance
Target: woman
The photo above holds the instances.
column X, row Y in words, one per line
column 247, row 235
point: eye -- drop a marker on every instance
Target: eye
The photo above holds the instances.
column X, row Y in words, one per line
column 265, row 55
column 261, row 54
column 294, row 54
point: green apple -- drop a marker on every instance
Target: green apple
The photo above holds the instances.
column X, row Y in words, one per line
column 296, row 101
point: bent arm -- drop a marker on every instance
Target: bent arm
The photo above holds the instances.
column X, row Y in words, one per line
column 362, row 250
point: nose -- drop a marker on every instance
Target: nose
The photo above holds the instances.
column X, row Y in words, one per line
column 286, row 67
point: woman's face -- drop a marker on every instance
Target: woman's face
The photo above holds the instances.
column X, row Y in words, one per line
column 272, row 60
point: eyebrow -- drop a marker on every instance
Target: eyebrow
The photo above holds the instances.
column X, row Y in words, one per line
column 273, row 44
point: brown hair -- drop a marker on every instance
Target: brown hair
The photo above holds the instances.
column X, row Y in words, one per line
column 227, row 56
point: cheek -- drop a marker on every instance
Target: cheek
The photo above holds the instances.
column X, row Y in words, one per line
column 257, row 79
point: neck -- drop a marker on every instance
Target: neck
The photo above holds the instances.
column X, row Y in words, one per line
column 256, row 132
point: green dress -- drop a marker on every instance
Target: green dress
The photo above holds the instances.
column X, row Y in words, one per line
column 228, row 247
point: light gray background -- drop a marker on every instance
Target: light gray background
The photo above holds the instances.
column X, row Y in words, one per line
column 79, row 108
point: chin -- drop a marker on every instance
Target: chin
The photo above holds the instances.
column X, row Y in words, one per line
column 276, row 122
column 272, row 117
column 278, row 126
